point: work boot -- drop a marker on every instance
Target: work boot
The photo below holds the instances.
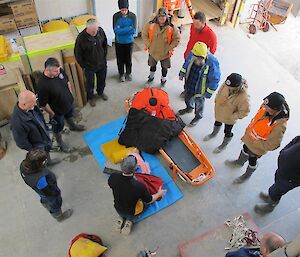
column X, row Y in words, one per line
column 118, row 224
column 185, row 110
column 249, row 171
column 265, row 197
column 63, row 146
column 182, row 95
column 61, row 216
column 74, row 126
column 52, row 162
column 222, row 146
column 127, row 227
column 195, row 121
column 265, row 207
column 92, row 102
column 122, row 78
column 103, row 96
column 150, row 79
column 239, row 162
column 129, row 77
column 215, row 131
column 163, row 82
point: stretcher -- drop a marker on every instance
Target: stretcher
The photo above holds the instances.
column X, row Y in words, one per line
column 184, row 157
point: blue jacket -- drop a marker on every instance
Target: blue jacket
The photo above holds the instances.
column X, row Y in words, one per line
column 124, row 27
column 209, row 78
column 28, row 132
column 244, row 252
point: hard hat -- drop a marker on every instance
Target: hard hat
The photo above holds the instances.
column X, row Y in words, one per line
column 200, row 49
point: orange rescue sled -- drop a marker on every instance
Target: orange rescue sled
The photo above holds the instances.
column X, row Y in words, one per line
column 184, row 157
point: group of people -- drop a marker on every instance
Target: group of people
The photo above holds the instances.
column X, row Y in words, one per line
column 201, row 75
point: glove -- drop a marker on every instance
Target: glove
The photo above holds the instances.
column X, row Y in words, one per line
column 207, row 95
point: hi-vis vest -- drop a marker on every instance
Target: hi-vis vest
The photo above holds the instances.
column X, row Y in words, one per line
column 260, row 126
column 151, row 28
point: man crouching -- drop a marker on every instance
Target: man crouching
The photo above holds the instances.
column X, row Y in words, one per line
column 130, row 195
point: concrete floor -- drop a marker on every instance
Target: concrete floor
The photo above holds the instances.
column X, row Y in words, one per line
column 28, row 231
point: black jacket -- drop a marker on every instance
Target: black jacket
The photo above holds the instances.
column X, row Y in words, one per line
column 147, row 132
column 289, row 161
column 90, row 52
column 27, row 131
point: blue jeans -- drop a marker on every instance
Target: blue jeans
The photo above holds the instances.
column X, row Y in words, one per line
column 90, row 81
column 58, row 121
column 195, row 102
column 53, row 203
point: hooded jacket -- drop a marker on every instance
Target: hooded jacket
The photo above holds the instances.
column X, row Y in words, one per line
column 124, row 27
column 273, row 141
column 209, row 78
column 159, row 48
column 230, row 108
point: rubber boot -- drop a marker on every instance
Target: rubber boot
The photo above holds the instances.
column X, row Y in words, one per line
column 215, row 131
column 249, row 171
column 265, row 197
column 265, row 207
column 50, row 161
column 73, row 126
column 61, row 216
column 195, row 121
column 222, row 146
column 243, row 157
column 185, row 110
column 63, row 146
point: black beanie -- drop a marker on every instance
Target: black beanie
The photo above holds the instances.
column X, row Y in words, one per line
column 275, row 101
column 234, row 80
column 123, row 4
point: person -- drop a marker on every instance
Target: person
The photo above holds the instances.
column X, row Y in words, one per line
column 160, row 37
column 291, row 249
column 231, row 104
column 269, row 242
column 90, row 52
column 43, row 182
column 201, row 32
column 201, row 73
column 127, row 191
column 55, row 98
column 263, row 134
column 124, row 25
column 287, row 177
column 28, row 125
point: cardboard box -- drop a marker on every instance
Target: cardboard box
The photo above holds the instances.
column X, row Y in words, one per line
column 21, row 8
column 7, row 24
column 26, row 20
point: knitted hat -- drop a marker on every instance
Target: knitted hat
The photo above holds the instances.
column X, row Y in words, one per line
column 123, row 4
column 128, row 164
column 234, row 80
column 275, row 101
column 200, row 49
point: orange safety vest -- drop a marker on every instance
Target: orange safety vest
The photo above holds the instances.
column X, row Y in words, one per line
column 261, row 126
column 151, row 28
column 160, row 110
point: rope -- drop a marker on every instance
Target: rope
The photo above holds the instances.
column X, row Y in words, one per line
column 241, row 235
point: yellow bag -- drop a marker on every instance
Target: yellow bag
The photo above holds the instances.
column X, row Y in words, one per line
column 139, row 207
column 115, row 152
column 84, row 247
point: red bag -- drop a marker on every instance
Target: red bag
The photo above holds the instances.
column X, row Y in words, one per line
column 151, row 182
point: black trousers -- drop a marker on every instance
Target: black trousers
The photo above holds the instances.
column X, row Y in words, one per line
column 281, row 186
column 227, row 130
column 252, row 156
column 124, row 57
column 90, row 81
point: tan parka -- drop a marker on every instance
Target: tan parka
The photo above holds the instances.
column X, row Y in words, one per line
column 230, row 108
column 159, row 48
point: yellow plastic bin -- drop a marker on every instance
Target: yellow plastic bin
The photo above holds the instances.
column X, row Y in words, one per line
column 55, row 26
column 82, row 19
column 5, row 49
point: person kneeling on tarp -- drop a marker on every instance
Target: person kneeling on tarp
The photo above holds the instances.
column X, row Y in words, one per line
column 130, row 195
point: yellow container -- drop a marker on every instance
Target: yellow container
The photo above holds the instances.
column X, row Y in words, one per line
column 5, row 49
column 82, row 19
column 55, row 26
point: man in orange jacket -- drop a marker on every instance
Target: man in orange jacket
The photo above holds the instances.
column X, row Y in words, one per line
column 263, row 134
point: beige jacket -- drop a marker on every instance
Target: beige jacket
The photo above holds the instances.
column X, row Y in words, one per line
column 260, row 147
column 230, row 108
column 159, row 48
